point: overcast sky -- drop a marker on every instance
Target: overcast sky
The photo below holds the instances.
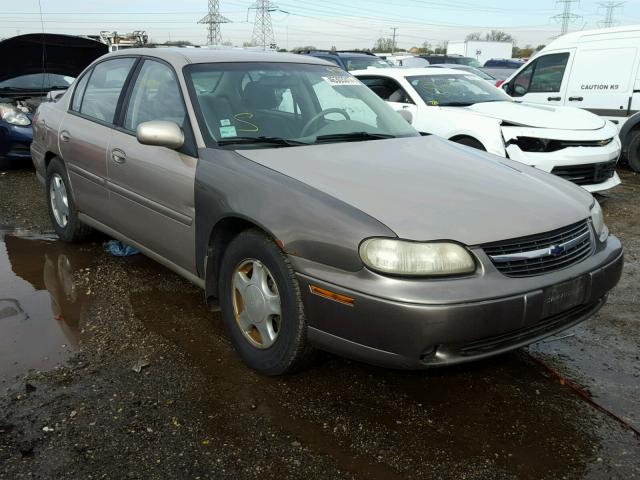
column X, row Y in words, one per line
column 322, row 23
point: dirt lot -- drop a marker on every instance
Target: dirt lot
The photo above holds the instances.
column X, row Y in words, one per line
column 113, row 368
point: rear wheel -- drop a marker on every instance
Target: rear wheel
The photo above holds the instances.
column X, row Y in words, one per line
column 261, row 305
column 633, row 151
column 62, row 209
column 469, row 142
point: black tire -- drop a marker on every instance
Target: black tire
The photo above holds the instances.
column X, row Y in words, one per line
column 470, row 142
column 633, row 150
column 73, row 231
column 290, row 351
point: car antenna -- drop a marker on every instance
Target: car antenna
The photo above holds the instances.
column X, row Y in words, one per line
column 44, row 49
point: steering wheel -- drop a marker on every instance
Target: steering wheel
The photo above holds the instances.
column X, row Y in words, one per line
column 320, row 115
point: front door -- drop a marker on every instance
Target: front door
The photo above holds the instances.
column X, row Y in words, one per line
column 152, row 188
column 544, row 80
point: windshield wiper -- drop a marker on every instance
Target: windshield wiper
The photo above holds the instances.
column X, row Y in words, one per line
column 353, row 136
column 271, row 140
column 455, row 104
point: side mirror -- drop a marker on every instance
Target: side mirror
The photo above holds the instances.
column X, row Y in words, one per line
column 407, row 115
column 160, row 134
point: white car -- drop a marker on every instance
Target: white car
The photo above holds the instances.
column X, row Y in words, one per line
column 571, row 143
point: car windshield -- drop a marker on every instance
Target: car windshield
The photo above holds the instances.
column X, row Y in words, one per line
column 257, row 105
column 457, row 90
column 364, row 62
column 37, row 81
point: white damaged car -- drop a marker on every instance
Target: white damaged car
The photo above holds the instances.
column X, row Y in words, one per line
column 569, row 142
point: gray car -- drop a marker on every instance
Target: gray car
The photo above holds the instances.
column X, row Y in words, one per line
column 315, row 215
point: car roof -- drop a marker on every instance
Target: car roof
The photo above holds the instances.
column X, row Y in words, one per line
column 399, row 72
column 573, row 38
column 178, row 57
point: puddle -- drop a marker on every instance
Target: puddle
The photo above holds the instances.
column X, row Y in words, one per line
column 39, row 303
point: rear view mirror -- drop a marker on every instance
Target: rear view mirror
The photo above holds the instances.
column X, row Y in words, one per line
column 407, row 115
column 160, row 134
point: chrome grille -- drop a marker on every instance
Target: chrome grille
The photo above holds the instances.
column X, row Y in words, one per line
column 542, row 253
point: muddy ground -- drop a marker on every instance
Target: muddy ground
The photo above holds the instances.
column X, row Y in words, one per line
column 114, row 368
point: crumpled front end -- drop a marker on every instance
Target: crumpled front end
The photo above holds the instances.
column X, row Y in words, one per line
column 586, row 158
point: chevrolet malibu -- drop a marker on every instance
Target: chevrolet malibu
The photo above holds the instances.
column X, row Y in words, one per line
column 314, row 215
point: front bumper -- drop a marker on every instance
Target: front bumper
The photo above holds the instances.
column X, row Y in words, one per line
column 570, row 157
column 389, row 326
column 15, row 141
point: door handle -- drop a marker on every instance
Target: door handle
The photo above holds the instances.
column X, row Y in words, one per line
column 64, row 136
column 554, row 99
column 118, row 156
column 576, row 99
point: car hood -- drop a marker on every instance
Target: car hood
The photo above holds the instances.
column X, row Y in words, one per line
column 539, row 116
column 62, row 54
column 427, row 188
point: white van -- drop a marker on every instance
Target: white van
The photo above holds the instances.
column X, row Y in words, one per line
column 596, row 70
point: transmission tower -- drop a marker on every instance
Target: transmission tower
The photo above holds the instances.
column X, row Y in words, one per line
column 566, row 17
column 262, row 28
column 213, row 19
column 609, row 11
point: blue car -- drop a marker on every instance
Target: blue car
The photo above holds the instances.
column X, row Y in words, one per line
column 34, row 65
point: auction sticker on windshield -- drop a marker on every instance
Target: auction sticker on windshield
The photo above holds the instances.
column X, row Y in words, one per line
column 339, row 80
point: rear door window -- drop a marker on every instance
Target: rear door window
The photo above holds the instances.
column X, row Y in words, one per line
column 104, row 88
column 78, row 92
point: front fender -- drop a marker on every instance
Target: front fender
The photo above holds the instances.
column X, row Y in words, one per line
column 453, row 123
column 304, row 221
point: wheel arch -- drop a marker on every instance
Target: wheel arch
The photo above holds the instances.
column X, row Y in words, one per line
column 632, row 124
column 221, row 235
column 464, row 136
column 48, row 156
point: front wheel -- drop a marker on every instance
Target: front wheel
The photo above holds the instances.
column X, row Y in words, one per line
column 262, row 307
column 633, row 151
column 61, row 207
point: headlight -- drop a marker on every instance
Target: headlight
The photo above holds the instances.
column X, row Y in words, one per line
column 597, row 219
column 12, row 115
column 400, row 257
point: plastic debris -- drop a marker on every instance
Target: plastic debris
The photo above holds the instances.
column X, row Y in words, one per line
column 139, row 365
column 119, row 249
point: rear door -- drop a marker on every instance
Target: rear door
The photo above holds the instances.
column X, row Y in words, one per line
column 544, row 80
column 152, row 188
column 86, row 130
column 602, row 78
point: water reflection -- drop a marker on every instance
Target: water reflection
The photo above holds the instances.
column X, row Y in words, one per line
column 40, row 304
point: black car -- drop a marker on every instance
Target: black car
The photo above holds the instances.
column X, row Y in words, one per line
column 503, row 63
column 35, row 66
column 348, row 60
column 457, row 59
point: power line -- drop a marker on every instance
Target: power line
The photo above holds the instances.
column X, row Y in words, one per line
column 262, row 27
column 566, row 17
column 213, row 19
column 610, row 8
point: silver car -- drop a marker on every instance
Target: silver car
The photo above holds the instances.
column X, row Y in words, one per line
column 316, row 216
